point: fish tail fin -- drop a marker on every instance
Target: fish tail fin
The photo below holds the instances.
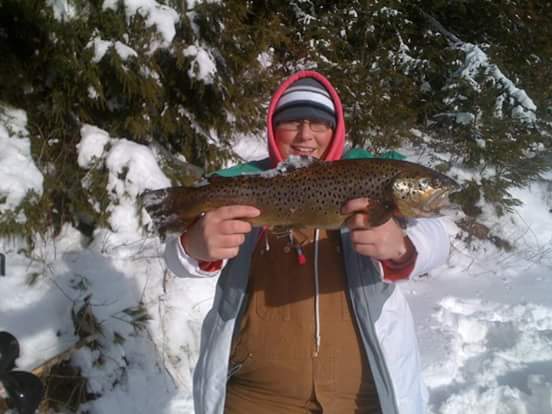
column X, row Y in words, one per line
column 171, row 209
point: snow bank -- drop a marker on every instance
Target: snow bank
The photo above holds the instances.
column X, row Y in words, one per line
column 502, row 355
column 18, row 172
column 132, row 170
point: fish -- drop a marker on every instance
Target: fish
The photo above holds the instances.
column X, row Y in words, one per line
column 308, row 192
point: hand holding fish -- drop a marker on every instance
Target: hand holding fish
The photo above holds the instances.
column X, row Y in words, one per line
column 219, row 233
column 383, row 242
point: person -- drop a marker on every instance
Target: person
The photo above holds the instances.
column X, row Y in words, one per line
column 307, row 320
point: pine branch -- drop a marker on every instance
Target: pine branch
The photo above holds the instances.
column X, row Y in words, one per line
column 436, row 25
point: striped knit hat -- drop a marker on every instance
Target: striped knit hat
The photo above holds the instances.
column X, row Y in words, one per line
column 305, row 99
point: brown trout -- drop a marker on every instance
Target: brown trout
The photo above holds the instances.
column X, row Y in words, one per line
column 305, row 192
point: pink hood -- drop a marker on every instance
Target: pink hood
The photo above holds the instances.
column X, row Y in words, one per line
column 335, row 150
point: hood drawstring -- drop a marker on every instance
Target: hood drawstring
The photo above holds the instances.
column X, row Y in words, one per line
column 267, row 244
column 301, row 258
column 317, row 292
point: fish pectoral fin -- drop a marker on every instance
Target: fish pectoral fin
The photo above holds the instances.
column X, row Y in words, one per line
column 280, row 229
column 377, row 213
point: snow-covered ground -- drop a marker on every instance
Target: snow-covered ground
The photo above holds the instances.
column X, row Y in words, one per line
column 484, row 320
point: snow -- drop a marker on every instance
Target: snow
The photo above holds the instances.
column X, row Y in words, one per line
column 402, row 57
column 102, row 46
column 192, row 3
column 18, row 172
column 91, row 146
column 143, row 171
column 124, row 51
column 265, row 58
column 387, row 12
column 483, row 320
column 132, row 169
column 63, row 9
column 203, row 66
column 251, row 147
column 92, row 93
column 477, row 62
column 463, row 118
column 293, row 162
column 159, row 15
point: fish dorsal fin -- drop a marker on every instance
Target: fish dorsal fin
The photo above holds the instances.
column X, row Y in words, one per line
column 298, row 161
column 294, row 162
column 206, row 180
column 215, row 178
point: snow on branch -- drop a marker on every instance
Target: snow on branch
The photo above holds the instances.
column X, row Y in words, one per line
column 477, row 62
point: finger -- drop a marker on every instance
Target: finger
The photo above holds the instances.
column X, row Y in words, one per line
column 371, row 250
column 358, row 221
column 235, row 227
column 237, row 211
column 356, row 204
column 231, row 241
column 227, row 253
column 364, row 237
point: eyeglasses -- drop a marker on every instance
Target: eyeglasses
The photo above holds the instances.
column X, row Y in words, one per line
column 294, row 126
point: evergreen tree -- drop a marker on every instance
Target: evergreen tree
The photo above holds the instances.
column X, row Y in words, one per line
column 466, row 81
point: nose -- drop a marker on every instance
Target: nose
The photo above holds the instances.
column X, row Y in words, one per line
column 305, row 131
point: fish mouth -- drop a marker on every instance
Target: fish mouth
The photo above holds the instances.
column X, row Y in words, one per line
column 438, row 200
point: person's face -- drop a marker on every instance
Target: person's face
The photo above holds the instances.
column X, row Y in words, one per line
column 310, row 138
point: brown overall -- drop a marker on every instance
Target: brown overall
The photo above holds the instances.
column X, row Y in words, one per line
column 277, row 367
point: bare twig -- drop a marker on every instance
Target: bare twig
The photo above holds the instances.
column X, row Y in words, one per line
column 43, row 369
